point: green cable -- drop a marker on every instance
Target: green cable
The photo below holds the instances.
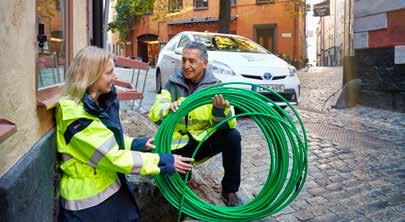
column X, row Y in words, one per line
column 287, row 147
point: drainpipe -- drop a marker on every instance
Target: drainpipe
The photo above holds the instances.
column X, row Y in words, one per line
column 105, row 23
column 334, row 37
column 97, row 23
column 295, row 33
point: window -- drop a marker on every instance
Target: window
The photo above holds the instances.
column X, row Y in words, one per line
column 172, row 44
column 233, row 2
column 149, row 10
column 200, row 4
column 225, row 43
column 175, row 5
column 51, row 36
column 183, row 41
column 264, row 1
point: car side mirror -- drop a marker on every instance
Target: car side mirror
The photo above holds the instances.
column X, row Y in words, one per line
column 179, row 50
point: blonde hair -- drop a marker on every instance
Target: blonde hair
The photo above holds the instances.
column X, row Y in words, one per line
column 86, row 67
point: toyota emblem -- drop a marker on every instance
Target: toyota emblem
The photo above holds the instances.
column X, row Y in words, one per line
column 267, row 76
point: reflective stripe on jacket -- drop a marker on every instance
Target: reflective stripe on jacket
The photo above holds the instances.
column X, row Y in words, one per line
column 92, row 157
column 198, row 122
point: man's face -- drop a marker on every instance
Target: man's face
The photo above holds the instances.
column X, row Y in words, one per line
column 193, row 65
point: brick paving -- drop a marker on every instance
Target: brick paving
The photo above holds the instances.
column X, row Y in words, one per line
column 347, row 181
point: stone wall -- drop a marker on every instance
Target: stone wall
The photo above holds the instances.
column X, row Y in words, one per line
column 379, row 43
column 28, row 189
column 383, row 82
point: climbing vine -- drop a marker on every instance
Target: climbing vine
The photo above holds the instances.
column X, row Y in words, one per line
column 127, row 11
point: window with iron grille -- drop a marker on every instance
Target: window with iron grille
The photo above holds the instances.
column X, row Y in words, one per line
column 200, row 4
column 175, row 5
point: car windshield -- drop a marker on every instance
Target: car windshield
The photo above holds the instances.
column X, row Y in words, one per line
column 229, row 43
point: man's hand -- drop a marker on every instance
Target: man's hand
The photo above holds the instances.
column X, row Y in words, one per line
column 219, row 102
column 174, row 106
column 181, row 164
column 149, row 144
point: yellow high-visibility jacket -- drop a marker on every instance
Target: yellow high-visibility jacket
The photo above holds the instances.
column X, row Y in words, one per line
column 196, row 123
column 94, row 151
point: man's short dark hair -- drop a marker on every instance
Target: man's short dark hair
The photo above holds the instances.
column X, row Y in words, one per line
column 200, row 46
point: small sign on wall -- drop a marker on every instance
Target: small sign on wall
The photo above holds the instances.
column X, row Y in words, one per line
column 399, row 54
column 286, row 35
column 322, row 9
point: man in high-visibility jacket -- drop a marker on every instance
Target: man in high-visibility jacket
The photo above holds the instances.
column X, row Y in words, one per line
column 194, row 126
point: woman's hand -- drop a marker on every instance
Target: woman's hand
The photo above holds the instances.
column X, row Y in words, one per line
column 149, row 144
column 182, row 164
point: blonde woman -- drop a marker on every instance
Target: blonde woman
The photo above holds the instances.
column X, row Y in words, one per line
column 95, row 152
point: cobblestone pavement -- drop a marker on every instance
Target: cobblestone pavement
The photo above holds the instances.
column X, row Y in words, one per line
column 356, row 168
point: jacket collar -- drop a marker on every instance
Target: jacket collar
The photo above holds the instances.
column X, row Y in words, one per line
column 105, row 101
column 208, row 79
column 71, row 109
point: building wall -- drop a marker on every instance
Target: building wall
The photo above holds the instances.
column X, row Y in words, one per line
column 28, row 157
column 379, row 43
column 247, row 14
column 17, row 88
column 332, row 35
column 80, row 27
column 279, row 14
column 319, row 60
column 18, row 47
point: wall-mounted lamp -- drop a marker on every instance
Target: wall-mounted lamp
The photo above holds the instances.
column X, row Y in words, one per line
column 41, row 37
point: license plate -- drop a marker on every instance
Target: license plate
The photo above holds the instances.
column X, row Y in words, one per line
column 274, row 87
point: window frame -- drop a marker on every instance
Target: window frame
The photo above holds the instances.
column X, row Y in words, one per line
column 172, row 45
column 48, row 96
column 182, row 43
column 200, row 7
column 149, row 11
column 258, row 2
column 178, row 5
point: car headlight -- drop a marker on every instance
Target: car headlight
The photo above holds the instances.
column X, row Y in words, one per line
column 220, row 68
column 292, row 71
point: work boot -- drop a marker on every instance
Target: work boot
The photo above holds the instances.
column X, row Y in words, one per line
column 231, row 199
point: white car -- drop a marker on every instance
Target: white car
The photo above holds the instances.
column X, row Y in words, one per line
column 233, row 58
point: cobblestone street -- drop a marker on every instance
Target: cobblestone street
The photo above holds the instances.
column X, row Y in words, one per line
column 356, row 169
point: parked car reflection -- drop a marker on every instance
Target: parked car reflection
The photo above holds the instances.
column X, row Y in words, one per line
column 233, row 58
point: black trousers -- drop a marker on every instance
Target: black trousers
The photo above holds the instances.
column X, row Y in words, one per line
column 227, row 142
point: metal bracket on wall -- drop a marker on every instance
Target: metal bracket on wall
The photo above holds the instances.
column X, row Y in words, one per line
column 7, row 128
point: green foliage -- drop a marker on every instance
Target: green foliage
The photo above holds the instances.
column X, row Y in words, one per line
column 127, row 11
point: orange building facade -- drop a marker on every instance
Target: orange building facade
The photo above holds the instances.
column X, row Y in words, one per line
column 276, row 25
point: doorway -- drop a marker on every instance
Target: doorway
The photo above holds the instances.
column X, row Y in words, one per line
column 148, row 48
column 266, row 36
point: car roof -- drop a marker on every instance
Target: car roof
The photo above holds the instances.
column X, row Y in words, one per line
column 209, row 33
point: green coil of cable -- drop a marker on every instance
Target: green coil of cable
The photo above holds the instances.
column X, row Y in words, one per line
column 287, row 147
